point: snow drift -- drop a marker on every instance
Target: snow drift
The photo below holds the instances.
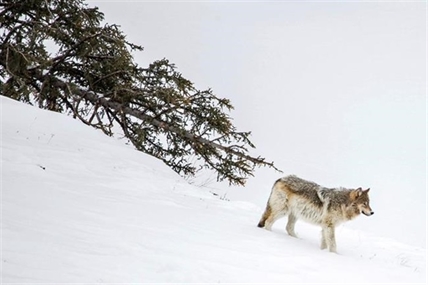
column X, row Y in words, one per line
column 78, row 206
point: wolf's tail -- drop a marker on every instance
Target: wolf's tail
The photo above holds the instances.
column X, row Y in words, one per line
column 265, row 216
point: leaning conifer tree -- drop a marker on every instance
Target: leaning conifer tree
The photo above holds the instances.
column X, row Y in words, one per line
column 88, row 71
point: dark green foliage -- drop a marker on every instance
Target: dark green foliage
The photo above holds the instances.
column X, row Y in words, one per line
column 56, row 54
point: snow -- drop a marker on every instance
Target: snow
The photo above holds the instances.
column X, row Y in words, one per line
column 81, row 207
column 334, row 92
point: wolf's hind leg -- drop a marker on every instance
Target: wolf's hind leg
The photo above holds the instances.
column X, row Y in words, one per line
column 290, row 225
column 276, row 207
column 270, row 216
column 273, row 218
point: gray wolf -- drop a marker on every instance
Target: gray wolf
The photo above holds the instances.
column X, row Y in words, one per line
column 328, row 207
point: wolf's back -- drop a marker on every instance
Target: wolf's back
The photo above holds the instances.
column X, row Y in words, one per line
column 297, row 184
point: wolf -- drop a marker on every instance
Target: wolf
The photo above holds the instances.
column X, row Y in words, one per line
column 328, row 207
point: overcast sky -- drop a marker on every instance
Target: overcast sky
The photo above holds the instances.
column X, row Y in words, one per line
column 334, row 92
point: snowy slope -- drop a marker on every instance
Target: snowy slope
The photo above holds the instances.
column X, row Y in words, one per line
column 78, row 206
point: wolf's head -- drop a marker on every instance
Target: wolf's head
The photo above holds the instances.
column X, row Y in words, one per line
column 360, row 200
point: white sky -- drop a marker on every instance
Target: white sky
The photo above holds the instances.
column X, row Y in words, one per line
column 334, row 92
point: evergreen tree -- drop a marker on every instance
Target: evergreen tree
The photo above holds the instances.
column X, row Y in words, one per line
column 58, row 55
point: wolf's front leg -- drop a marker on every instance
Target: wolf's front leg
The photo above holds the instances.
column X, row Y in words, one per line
column 323, row 242
column 329, row 238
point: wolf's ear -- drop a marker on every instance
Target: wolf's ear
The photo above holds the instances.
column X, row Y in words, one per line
column 368, row 189
column 356, row 193
column 359, row 191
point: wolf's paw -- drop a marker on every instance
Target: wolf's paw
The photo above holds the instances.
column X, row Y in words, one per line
column 333, row 250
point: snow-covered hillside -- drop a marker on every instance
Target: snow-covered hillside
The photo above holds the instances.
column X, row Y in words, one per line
column 78, row 206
